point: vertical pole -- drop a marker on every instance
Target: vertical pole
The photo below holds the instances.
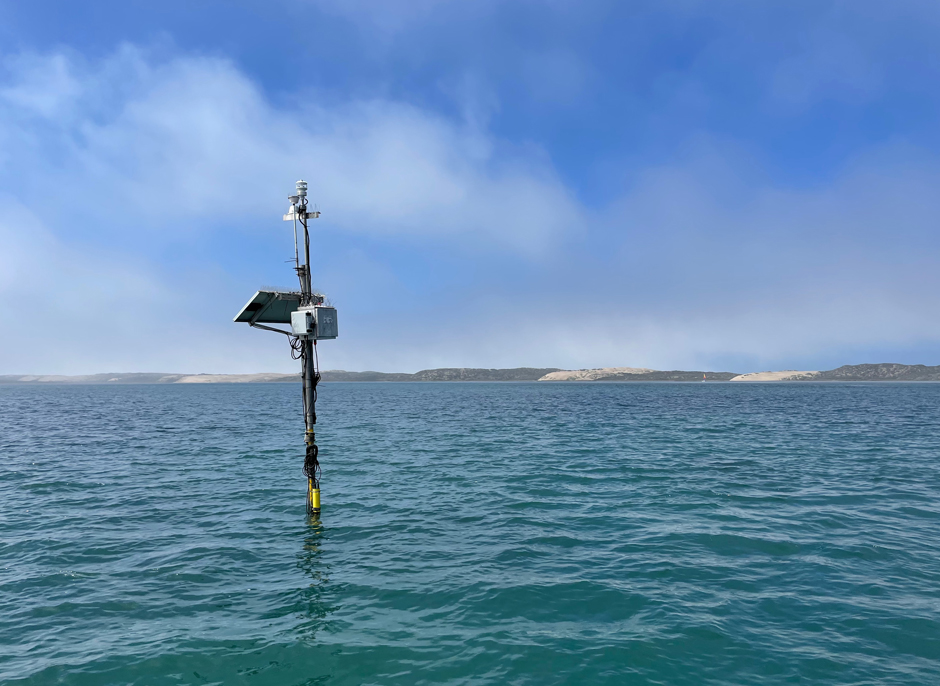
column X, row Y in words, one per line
column 311, row 464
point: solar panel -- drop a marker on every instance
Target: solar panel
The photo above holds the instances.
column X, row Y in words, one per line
column 269, row 307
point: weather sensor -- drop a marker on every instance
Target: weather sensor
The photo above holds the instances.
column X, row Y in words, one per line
column 310, row 321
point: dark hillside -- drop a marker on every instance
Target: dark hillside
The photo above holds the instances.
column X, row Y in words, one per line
column 881, row 372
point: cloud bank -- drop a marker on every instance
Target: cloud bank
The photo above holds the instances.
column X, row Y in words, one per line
column 142, row 207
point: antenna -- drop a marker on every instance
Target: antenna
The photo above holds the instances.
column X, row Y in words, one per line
column 310, row 321
column 294, row 199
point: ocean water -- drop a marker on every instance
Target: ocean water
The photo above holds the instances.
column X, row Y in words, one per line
column 471, row 534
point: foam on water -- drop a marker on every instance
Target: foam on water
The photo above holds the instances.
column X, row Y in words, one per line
column 471, row 534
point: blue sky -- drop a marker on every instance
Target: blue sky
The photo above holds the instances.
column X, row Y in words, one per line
column 669, row 184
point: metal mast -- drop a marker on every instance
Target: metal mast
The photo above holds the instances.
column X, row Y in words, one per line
column 310, row 373
column 310, row 320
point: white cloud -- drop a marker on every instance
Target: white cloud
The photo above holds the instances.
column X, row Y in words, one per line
column 194, row 139
column 72, row 308
column 704, row 264
column 145, row 156
column 700, row 260
column 42, row 84
column 59, row 299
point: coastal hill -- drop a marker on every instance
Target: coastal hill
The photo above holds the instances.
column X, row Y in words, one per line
column 853, row 372
column 881, row 372
column 858, row 372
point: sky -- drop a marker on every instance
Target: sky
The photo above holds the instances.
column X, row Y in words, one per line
column 673, row 184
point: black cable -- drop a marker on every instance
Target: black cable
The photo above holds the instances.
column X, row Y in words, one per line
column 296, row 348
column 311, row 463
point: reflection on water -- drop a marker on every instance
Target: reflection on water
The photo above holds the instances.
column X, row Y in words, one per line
column 314, row 607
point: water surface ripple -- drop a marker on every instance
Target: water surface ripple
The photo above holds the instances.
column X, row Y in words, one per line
column 471, row 534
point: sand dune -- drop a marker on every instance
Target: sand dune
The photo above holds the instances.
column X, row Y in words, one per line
column 787, row 375
column 593, row 374
column 236, row 378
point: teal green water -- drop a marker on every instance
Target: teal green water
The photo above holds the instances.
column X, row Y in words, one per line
column 471, row 534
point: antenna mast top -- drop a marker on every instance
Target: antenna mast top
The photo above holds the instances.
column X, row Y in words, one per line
column 298, row 211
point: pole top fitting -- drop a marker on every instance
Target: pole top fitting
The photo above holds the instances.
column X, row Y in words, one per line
column 302, row 188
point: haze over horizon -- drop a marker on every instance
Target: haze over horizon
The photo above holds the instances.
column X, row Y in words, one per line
column 671, row 185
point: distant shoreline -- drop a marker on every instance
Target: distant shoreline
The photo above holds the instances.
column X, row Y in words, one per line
column 862, row 372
